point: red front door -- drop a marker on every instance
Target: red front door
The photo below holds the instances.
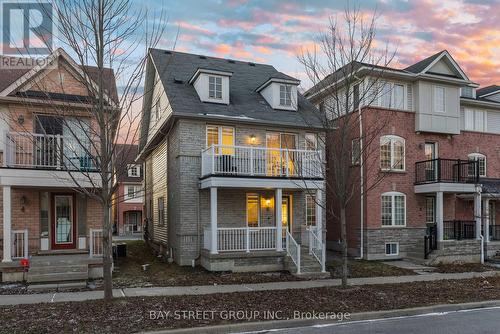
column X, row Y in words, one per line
column 63, row 227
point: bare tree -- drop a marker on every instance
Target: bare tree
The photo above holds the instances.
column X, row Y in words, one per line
column 347, row 71
column 106, row 39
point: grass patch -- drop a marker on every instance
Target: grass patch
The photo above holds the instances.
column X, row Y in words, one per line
column 462, row 267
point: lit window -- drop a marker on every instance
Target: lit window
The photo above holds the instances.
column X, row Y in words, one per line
column 285, row 95
column 310, row 210
column 393, row 209
column 392, row 153
column 215, row 87
column 253, row 210
column 222, row 137
column 439, row 99
column 392, row 248
column 481, row 162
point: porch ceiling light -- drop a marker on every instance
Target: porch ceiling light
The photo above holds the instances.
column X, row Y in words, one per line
column 252, row 139
column 268, row 203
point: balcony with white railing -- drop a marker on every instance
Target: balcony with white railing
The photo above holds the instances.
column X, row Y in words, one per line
column 42, row 151
column 261, row 162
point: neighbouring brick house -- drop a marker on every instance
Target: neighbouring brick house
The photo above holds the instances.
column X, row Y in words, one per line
column 128, row 200
column 46, row 151
column 232, row 165
column 437, row 164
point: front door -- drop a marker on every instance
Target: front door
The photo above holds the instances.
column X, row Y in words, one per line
column 63, row 222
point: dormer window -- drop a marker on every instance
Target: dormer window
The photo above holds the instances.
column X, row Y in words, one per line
column 286, row 95
column 215, row 87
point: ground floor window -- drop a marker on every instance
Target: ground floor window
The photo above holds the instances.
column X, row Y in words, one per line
column 392, row 248
column 310, row 210
column 430, row 209
column 393, row 209
column 161, row 211
column 132, row 221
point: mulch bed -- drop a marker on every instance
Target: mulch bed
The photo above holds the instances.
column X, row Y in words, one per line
column 462, row 267
column 133, row 314
column 363, row 268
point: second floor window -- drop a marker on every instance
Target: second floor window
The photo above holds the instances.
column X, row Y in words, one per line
column 393, row 209
column 392, row 153
column 134, row 171
column 439, row 99
column 481, row 163
column 286, row 95
column 214, row 87
column 222, row 137
column 132, row 192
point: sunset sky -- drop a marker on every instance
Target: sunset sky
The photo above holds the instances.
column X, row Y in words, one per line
column 274, row 31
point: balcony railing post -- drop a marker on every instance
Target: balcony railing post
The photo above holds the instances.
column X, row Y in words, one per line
column 213, row 159
column 438, row 170
column 287, row 161
column 247, row 231
column 252, row 172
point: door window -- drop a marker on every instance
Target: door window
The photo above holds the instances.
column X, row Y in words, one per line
column 64, row 219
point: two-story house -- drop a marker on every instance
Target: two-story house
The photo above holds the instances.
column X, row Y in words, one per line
column 47, row 155
column 128, row 199
column 233, row 166
column 431, row 188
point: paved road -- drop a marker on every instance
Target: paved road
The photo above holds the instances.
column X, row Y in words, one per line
column 478, row 321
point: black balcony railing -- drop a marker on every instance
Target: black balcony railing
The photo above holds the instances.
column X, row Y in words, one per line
column 459, row 229
column 494, row 232
column 446, row 170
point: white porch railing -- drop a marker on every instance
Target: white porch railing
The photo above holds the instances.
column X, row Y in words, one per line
column 33, row 150
column 245, row 239
column 293, row 250
column 260, row 161
column 20, row 244
column 96, row 246
column 316, row 247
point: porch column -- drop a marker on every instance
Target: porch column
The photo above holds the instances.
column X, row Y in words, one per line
column 486, row 220
column 213, row 220
column 477, row 213
column 7, row 238
column 319, row 214
column 278, row 200
column 439, row 216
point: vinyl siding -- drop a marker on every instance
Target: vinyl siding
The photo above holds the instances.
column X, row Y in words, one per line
column 159, row 186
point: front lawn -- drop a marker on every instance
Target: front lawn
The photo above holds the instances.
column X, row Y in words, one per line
column 462, row 267
column 129, row 272
column 126, row 315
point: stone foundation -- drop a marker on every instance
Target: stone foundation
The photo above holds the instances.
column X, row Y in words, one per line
column 257, row 261
column 408, row 239
column 493, row 247
column 451, row 251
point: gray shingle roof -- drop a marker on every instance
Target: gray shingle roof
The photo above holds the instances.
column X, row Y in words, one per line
column 487, row 90
column 422, row 65
column 245, row 105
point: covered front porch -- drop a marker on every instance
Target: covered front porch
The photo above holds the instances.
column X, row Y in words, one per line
column 257, row 225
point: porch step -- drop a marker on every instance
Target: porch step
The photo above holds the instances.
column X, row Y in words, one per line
column 57, row 277
column 308, row 264
column 51, row 269
column 58, row 268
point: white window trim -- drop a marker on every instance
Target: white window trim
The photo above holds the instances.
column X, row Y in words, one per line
column 287, row 86
column 435, row 99
column 393, row 96
column 393, row 194
column 473, row 126
column 258, row 209
column 475, row 156
column 392, row 139
column 133, row 166
column 219, row 133
column 215, row 88
column 137, row 189
column 391, row 243
column 314, row 200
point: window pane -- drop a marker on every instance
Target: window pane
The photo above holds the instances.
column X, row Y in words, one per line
column 385, row 154
column 430, row 214
column 385, row 95
column 399, row 150
column 479, row 121
column 399, row 208
column 252, row 210
column 439, row 95
column 386, row 210
column 469, row 119
column 285, row 95
column 310, row 210
column 399, row 96
column 212, row 135
column 228, row 140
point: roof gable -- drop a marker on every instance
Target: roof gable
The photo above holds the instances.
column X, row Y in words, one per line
column 441, row 64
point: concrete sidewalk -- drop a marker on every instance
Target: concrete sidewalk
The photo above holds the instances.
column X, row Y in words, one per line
column 211, row 289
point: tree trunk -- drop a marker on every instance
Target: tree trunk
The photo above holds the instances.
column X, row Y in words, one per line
column 107, row 255
column 343, row 237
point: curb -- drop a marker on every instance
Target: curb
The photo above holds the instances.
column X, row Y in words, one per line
column 294, row 323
